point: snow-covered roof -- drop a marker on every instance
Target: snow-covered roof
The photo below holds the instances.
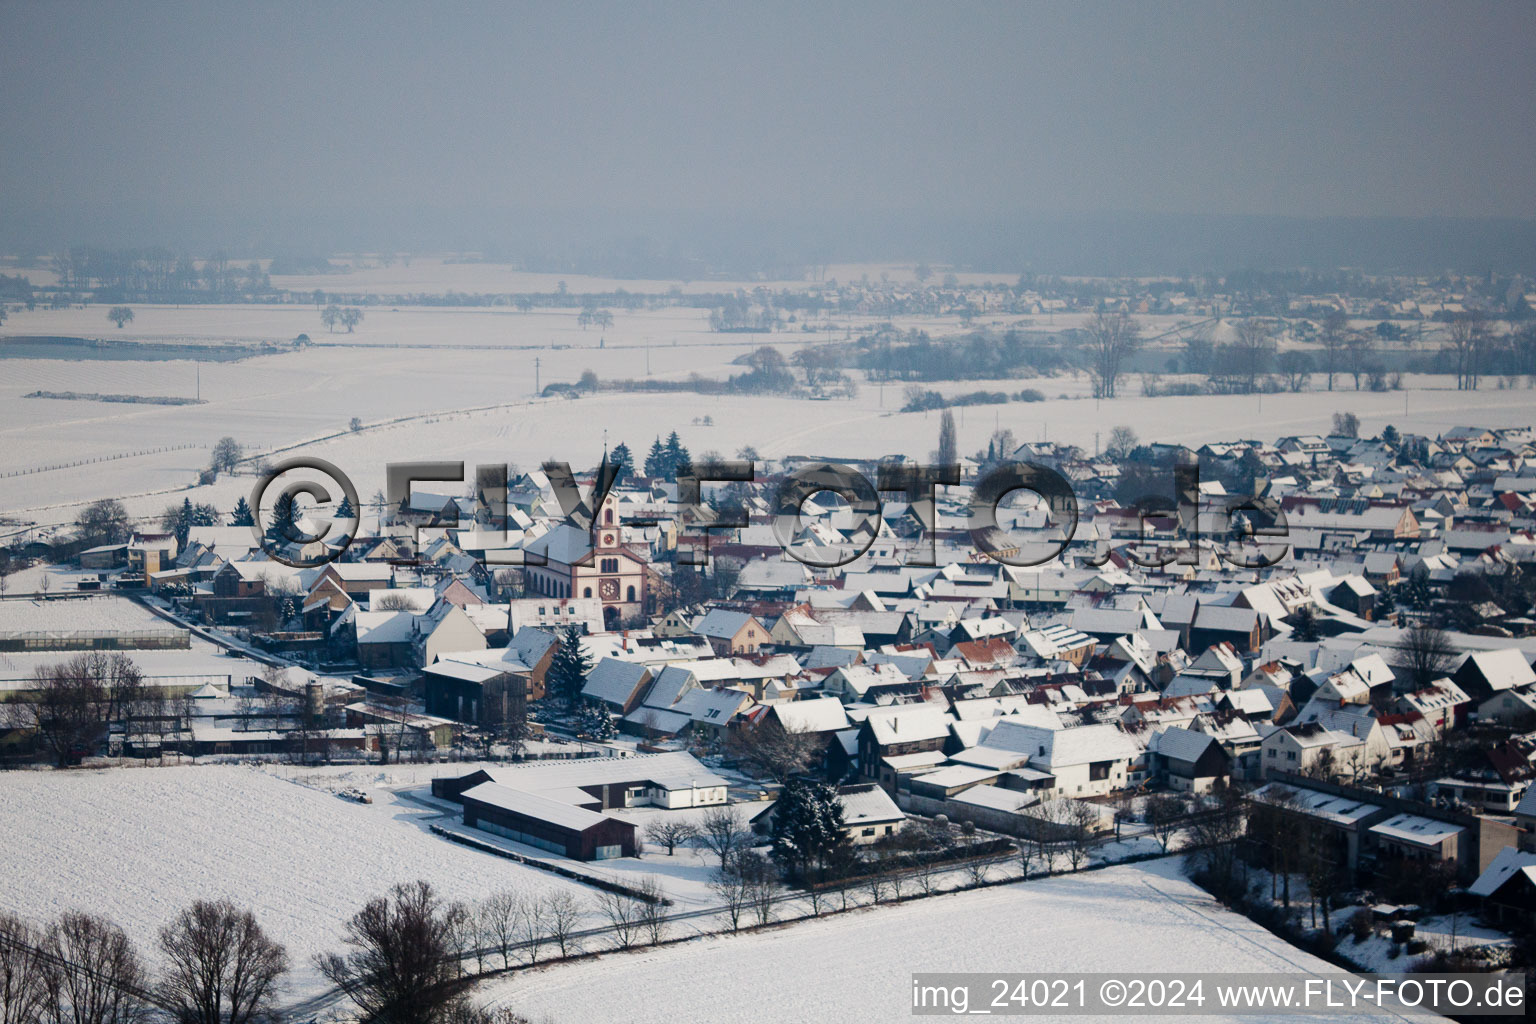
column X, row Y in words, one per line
column 722, row 623
column 671, row 770
column 1508, row 863
column 1504, row 669
column 995, row 798
column 613, row 680
column 1340, row 810
column 1416, row 829
column 1180, row 744
column 909, row 723
column 821, row 714
column 556, row 812
column 863, row 805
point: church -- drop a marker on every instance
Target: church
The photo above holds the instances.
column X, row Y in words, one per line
column 586, row 564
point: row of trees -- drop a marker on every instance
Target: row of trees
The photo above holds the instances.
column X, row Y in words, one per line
column 76, row 703
column 157, row 275
column 218, row 967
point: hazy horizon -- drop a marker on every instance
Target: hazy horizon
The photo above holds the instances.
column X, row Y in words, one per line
column 1082, row 138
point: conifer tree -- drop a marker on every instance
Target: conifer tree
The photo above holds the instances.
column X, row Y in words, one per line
column 568, row 668
column 594, row 720
column 282, row 528
column 623, row 460
column 242, row 514
column 183, row 522
column 656, row 461
column 808, row 826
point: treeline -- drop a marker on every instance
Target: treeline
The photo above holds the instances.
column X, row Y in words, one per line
column 157, row 275
column 91, row 396
column 890, row 354
column 215, row 964
column 922, row 400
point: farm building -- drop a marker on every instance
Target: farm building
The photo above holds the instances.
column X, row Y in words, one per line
column 671, row 780
column 578, row 831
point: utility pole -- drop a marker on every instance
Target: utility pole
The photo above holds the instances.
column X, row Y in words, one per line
column 535, row 376
column 199, row 365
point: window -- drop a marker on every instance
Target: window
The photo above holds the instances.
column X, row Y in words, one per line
column 1290, row 755
column 608, row 565
column 1272, row 752
column 888, row 829
column 586, row 592
column 630, row 594
column 608, row 517
column 869, row 831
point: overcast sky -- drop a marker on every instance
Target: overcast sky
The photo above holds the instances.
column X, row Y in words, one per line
column 163, row 122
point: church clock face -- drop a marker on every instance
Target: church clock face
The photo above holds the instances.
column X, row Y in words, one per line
column 608, row 590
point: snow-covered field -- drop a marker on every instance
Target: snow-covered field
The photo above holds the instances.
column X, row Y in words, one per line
column 274, row 402
column 430, row 365
column 137, row 845
column 857, row 967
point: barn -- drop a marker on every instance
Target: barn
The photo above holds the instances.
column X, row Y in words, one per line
column 577, row 831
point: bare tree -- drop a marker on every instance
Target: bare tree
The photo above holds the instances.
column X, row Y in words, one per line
column 722, row 831
column 562, row 914
column 1297, row 367
column 1112, row 339
column 1122, row 441
column 1052, row 819
column 653, row 909
column 401, row 966
column 1165, row 815
column 1469, row 336
column 1082, row 820
column 733, row 892
column 1253, row 349
column 1357, row 349
column 245, row 706
column 91, row 973
column 1215, row 834
column 876, row 883
column 227, row 454
column 498, row 915
column 223, row 968
column 1426, row 653
column 623, row 913
column 1335, row 326
column 462, row 934
column 22, row 992
column 76, row 702
column 671, row 833
column 530, row 926
column 1346, row 424
column 762, row 883
column 773, row 750
column 1028, row 852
